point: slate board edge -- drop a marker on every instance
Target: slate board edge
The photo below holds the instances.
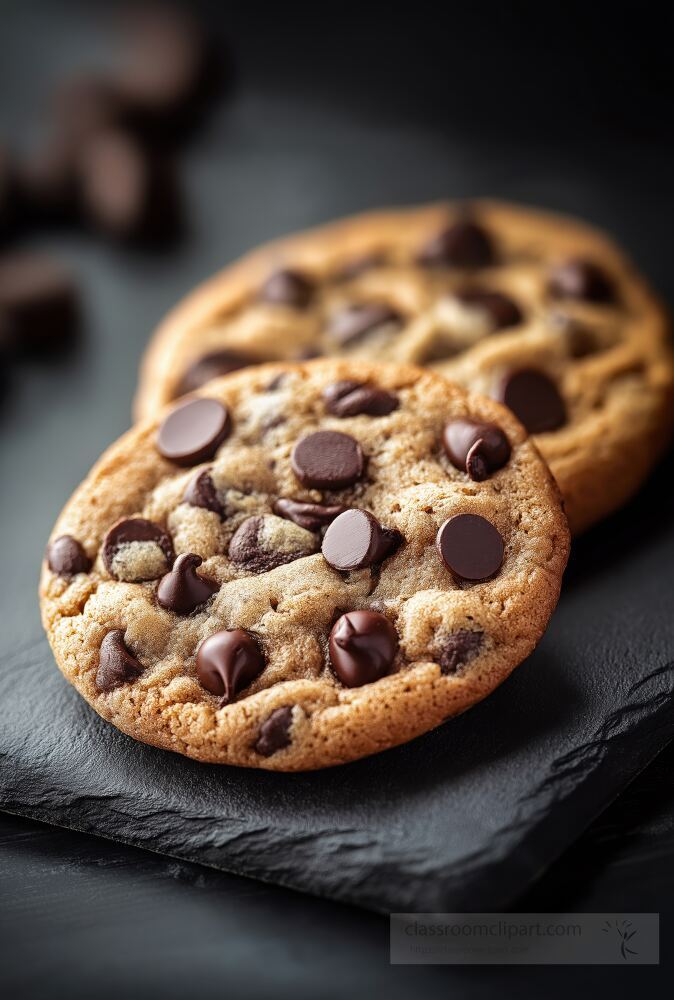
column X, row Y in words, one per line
column 518, row 859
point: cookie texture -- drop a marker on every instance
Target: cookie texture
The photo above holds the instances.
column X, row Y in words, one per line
column 237, row 612
column 541, row 312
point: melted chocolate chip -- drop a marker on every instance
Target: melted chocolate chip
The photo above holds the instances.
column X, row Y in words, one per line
column 463, row 244
column 458, row 648
column 211, row 366
column 312, row 516
column 581, row 279
column 356, row 539
column 125, row 534
column 363, row 646
column 475, row 447
column 66, row 556
column 193, row 431
column 201, row 492
column 249, row 550
column 229, row 661
column 288, row 288
column 534, row 399
column 503, row 312
column 470, row 547
column 275, row 732
column 116, row 665
column 348, row 399
column 328, row 460
column 182, row 589
column 356, row 321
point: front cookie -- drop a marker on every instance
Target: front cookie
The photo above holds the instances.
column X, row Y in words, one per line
column 540, row 312
column 305, row 565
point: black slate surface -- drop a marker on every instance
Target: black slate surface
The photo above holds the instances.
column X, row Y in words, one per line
column 465, row 817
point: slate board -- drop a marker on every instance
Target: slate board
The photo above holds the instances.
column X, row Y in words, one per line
column 463, row 818
column 466, row 817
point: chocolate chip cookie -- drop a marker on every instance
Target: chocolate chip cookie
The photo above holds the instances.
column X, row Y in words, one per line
column 305, row 564
column 540, row 312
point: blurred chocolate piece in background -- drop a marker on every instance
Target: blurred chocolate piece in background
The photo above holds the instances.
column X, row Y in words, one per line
column 171, row 70
column 46, row 189
column 7, row 194
column 39, row 305
column 129, row 193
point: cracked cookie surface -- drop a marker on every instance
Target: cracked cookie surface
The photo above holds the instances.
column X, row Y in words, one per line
column 293, row 587
column 539, row 311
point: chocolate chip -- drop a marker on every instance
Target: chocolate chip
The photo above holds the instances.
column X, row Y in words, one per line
column 578, row 278
column 229, row 661
column 348, row 399
column 48, row 184
column 136, row 549
column 328, row 460
column 358, row 320
column 363, row 646
column 534, row 399
column 128, row 192
column 263, row 542
column 275, row 732
column 40, row 304
column 288, row 288
column 312, row 516
column 66, row 556
column 193, row 431
column 168, row 69
column 201, row 492
column 116, row 665
column 475, row 447
column 463, row 244
column 182, row 589
column 502, row 311
column 356, row 539
column 470, row 547
column 360, row 265
column 211, row 366
column 458, row 648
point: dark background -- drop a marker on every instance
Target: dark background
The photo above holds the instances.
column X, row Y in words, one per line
column 334, row 108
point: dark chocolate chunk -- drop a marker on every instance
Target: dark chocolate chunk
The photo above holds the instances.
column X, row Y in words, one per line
column 169, row 68
column 464, row 244
column 47, row 183
column 201, row 492
column 503, row 312
column 458, row 648
column 470, row 547
column 274, row 732
column 132, row 531
column 193, row 431
column 288, row 288
column 475, row 447
column 128, row 192
column 182, row 590
column 116, row 665
column 229, row 661
column 356, row 321
column 211, row 366
column 578, row 278
column 328, row 460
column 348, row 399
column 312, row 516
column 534, row 399
column 363, row 646
column 66, row 556
column 248, row 550
column 356, row 539
column 40, row 304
